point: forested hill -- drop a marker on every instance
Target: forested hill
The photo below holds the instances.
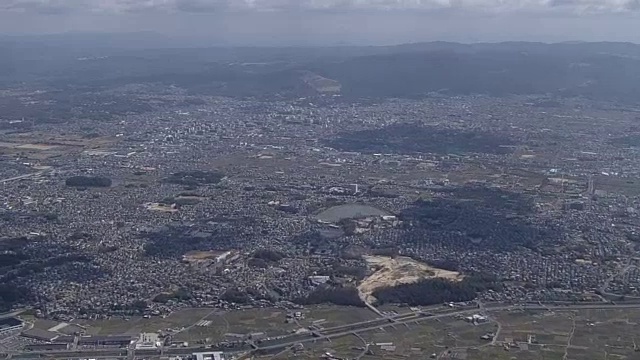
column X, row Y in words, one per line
column 598, row 71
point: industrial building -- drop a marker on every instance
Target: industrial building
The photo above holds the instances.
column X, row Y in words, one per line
column 148, row 341
column 215, row 355
column 476, row 319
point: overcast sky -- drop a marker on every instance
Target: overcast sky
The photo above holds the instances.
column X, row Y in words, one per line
column 332, row 21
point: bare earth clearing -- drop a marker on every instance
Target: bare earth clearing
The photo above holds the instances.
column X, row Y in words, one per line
column 391, row 272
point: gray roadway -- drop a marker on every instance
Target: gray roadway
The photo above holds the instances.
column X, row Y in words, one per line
column 329, row 333
column 419, row 318
column 2, row 181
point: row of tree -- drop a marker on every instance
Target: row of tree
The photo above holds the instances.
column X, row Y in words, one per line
column 11, row 294
column 181, row 294
column 437, row 291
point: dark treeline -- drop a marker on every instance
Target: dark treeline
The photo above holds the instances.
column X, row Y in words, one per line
column 10, row 295
column 34, row 266
column 426, row 292
column 246, row 295
column 235, row 296
column 437, row 291
column 268, row 255
column 88, row 181
column 411, row 138
column 11, row 259
column 493, row 198
column 487, row 220
column 258, row 263
column 21, row 257
column 335, row 295
column 178, row 295
column 173, row 242
column 444, row 264
column 264, row 258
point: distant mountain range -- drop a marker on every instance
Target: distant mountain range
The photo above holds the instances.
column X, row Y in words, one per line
column 601, row 71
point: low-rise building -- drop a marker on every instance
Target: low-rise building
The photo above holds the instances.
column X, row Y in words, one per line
column 215, row 355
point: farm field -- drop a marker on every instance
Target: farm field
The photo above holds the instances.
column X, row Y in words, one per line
column 565, row 334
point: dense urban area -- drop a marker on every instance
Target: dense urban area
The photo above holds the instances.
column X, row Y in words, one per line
column 147, row 199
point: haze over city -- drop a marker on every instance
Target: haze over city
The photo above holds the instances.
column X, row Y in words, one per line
column 307, row 180
column 316, row 22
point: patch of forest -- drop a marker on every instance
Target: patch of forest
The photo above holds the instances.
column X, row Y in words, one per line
column 21, row 258
column 264, row 258
column 413, row 139
column 488, row 219
column 175, row 241
column 11, row 294
column 338, row 295
column 437, row 291
column 179, row 295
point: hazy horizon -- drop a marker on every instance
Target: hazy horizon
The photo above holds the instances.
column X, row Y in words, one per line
column 353, row 22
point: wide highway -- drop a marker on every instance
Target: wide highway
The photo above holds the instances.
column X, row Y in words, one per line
column 327, row 333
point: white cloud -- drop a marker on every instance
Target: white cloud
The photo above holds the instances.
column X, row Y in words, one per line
column 117, row 6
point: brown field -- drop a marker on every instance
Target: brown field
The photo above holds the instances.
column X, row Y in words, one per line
column 395, row 271
column 201, row 255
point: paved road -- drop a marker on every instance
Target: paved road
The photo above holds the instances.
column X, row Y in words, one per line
column 2, row 181
column 336, row 332
column 419, row 318
column 212, row 312
column 10, row 314
column 25, row 176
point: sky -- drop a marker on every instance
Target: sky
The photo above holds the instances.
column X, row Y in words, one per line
column 321, row 22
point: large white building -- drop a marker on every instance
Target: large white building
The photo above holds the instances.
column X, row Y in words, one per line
column 148, row 341
column 215, row 355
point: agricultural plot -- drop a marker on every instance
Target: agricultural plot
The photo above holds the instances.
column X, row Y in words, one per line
column 521, row 335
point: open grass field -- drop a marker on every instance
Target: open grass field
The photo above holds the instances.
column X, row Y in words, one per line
column 448, row 338
column 522, row 335
column 271, row 322
column 615, row 184
column 37, row 145
column 561, row 334
column 135, row 325
column 330, row 315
